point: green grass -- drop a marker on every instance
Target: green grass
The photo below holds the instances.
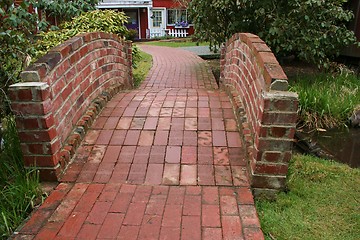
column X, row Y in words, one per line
column 176, row 44
column 142, row 68
column 327, row 100
column 19, row 186
column 322, row 203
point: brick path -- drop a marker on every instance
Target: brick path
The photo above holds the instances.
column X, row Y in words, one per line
column 161, row 162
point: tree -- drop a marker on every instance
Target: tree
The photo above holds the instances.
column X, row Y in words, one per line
column 182, row 3
column 17, row 26
column 65, row 10
column 312, row 30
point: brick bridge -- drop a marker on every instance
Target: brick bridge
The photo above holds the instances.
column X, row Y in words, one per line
column 173, row 159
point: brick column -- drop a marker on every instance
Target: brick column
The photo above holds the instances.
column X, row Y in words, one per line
column 222, row 64
column 128, row 51
column 38, row 137
column 273, row 146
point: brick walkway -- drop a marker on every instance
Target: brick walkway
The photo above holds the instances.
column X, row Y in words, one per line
column 161, row 162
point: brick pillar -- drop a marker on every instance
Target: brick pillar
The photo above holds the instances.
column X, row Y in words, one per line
column 222, row 64
column 128, row 51
column 273, row 147
column 31, row 103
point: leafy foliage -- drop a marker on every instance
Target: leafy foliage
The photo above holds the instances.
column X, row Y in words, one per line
column 16, row 27
column 65, row 10
column 312, row 30
column 19, row 187
column 95, row 21
column 103, row 21
column 131, row 35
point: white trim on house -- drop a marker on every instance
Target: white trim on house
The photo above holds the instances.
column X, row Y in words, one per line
column 139, row 23
column 125, row 4
column 151, row 31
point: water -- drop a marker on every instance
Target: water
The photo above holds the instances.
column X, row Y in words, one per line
column 343, row 144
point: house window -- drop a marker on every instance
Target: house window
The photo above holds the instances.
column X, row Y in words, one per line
column 176, row 16
column 157, row 18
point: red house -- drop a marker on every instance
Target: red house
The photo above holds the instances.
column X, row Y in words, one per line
column 153, row 18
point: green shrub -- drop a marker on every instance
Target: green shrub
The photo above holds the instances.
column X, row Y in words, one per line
column 95, row 21
column 136, row 56
column 312, row 30
column 64, row 10
column 16, row 28
column 131, row 34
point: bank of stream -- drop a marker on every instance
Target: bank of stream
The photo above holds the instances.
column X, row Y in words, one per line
column 341, row 145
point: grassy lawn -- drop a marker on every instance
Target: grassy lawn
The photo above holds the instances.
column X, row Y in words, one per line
column 142, row 69
column 19, row 188
column 322, row 203
column 326, row 100
column 169, row 43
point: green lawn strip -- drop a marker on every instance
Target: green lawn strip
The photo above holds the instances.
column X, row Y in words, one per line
column 326, row 100
column 19, row 187
column 142, row 69
column 176, row 44
column 322, row 203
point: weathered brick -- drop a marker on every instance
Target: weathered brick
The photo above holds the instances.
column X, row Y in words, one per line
column 268, row 181
column 273, row 144
column 273, row 169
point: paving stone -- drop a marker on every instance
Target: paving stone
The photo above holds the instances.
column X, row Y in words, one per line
column 111, row 226
column 87, row 231
column 212, row 234
column 171, row 174
column 173, row 154
column 72, row 225
column 189, row 155
column 191, row 228
column 172, row 216
column 211, row 216
column 231, row 227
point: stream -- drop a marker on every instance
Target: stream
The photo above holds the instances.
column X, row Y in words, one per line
column 342, row 145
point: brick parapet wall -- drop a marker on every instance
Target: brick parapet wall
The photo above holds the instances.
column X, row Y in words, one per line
column 266, row 110
column 61, row 94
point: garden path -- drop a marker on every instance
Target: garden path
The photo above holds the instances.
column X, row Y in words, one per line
column 165, row 161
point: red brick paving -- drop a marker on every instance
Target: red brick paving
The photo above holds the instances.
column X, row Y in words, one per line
column 161, row 162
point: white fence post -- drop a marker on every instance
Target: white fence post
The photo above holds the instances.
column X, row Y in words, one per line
column 156, row 33
column 178, row 33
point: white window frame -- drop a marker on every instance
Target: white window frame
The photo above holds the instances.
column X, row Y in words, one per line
column 177, row 17
column 154, row 20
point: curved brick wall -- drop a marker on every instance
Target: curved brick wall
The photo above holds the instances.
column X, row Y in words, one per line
column 268, row 112
column 62, row 92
